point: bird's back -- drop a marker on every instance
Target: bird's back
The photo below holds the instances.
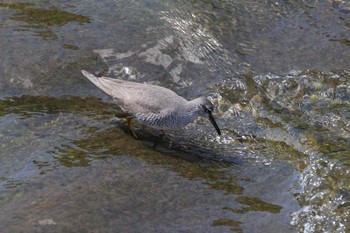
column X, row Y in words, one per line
column 136, row 97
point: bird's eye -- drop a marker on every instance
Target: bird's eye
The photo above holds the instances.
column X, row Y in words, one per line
column 207, row 110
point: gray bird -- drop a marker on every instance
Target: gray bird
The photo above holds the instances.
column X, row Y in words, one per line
column 154, row 106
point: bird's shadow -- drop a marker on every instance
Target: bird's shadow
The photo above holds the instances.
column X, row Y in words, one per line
column 181, row 146
column 176, row 146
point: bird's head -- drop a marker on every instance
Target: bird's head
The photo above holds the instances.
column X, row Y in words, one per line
column 205, row 109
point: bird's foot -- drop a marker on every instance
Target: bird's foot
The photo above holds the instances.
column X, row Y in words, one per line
column 156, row 143
column 128, row 121
column 164, row 134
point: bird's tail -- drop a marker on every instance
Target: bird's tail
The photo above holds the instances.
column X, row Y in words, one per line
column 101, row 82
column 91, row 77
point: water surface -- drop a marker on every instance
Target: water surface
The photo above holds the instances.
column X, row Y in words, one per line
column 277, row 71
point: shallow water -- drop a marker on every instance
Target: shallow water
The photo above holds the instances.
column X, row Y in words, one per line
column 277, row 71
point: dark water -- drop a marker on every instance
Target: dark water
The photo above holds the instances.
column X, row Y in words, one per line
column 277, row 71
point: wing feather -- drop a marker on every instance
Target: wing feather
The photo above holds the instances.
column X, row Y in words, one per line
column 136, row 97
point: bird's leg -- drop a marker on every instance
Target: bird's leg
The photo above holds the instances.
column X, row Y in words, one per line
column 128, row 121
column 157, row 142
column 170, row 140
column 162, row 134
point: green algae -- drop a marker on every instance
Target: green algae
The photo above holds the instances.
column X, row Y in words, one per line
column 28, row 106
column 255, row 204
column 53, row 16
column 40, row 18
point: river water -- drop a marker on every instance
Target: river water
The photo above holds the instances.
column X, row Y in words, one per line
column 277, row 72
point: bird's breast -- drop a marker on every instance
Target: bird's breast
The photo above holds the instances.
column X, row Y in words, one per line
column 165, row 122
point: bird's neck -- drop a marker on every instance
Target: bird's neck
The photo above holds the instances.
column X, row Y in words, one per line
column 192, row 106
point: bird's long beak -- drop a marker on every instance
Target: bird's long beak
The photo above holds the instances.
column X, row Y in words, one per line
column 212, row 120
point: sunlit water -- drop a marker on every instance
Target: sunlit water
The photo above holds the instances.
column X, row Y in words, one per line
column 277, row 72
